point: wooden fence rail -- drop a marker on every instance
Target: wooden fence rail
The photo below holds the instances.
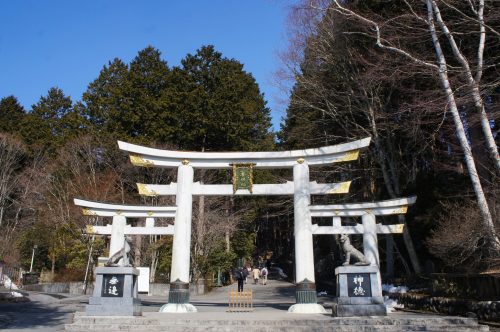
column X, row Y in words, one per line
column 240, row 301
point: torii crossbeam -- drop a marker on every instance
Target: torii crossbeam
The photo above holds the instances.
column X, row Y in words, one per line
column 119, row 228
column 369, row 228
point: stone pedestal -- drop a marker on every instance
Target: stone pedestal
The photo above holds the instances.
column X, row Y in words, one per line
column 115, row 293
column 359, row 292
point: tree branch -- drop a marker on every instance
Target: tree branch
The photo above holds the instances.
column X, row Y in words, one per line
column 344, row 11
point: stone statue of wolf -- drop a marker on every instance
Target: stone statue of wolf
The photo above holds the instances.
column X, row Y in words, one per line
column 121, row 257
column 349, row 251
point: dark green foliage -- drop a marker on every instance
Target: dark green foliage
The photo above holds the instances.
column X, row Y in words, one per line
column 11, row 114
column 106, row 100
column 209, row 103
column 52, row 122
column 224, row 109
column 243, row 244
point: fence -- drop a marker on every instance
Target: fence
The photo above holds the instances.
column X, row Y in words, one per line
column 240, row 301
column 14, row 273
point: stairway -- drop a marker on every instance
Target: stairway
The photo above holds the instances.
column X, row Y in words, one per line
column 256, row 322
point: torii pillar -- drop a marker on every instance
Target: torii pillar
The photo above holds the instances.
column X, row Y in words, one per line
column 305, row 293
column 178, row 296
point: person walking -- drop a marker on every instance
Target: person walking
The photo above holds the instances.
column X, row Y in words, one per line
column 249, row 271
column 239, row 275
column 263, row 275
column 255, row 275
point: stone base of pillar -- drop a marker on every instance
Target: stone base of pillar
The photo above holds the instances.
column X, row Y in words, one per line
column 178, row 308
column 178, row 292
column 178, row 299
column 305, row 292
column 307, row 308
column 305, row 296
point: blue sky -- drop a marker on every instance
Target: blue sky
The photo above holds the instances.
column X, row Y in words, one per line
column 65, row 43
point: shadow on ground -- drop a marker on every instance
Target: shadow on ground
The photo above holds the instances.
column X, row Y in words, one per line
column 30, row 315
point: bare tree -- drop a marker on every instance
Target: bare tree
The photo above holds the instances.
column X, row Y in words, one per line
column 11, row 155
column 389, row 32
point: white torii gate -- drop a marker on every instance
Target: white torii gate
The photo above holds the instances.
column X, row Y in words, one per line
column 301, row 188
column 119, row 228
column 369, row 228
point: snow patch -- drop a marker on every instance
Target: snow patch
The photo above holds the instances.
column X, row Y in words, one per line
column 16, row 294
column 391, row 305
column 7, row 283
column 390, row 288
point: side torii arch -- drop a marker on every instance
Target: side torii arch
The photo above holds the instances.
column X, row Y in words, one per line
column 301, row 188
column 119, row 228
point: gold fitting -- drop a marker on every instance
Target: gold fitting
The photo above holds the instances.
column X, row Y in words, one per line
column 301, row 160
column 185, row 162
column 399, row 228
column 88, row 212
column 144, row 191
column 401, row 210
column 137, row 160
column 349, row 156
column 341, row 188
column 90, row 229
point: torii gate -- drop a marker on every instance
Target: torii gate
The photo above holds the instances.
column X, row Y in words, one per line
column 119, row 228
column 369, row 228
column 301, row 188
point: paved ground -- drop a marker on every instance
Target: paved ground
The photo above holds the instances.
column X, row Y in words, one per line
column 43, row 313
column 48, row 312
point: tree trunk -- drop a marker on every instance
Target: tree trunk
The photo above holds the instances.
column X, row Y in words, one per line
column 467, row 72
column 391, row 184
column 137, row 250
column 53, row 267
column 154, row 260
column 462, row 138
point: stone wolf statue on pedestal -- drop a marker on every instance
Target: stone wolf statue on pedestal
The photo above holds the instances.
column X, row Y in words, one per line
column 349, row 251
column 121, row 257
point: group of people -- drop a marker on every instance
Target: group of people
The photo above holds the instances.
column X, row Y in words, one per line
column 241, row 275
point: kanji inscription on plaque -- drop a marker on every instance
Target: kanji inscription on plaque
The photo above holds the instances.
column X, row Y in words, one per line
column 112, row 285
column 359, row 285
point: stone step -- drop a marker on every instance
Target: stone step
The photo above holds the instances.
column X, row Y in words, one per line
column 291, row 328
column 262, row 322
column 110, row 324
